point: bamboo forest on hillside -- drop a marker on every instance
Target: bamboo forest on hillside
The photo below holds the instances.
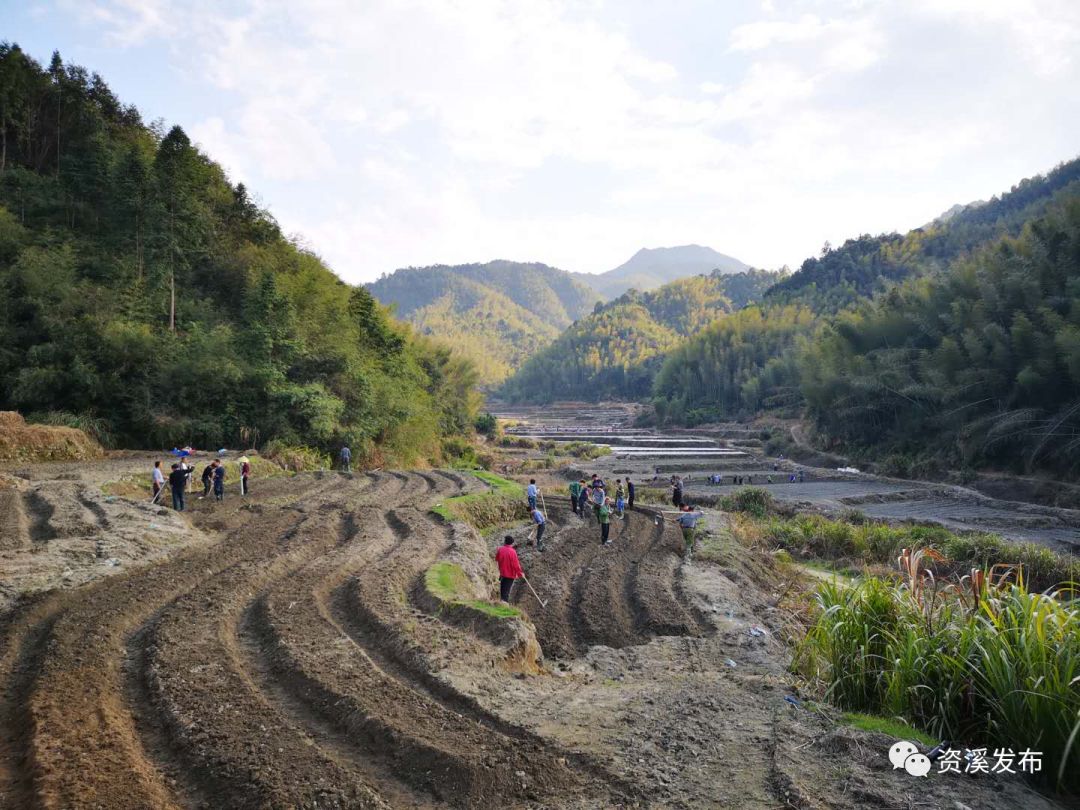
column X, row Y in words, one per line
column 144, row 294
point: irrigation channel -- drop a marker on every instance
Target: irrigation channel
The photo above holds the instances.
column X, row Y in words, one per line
column 284, row 651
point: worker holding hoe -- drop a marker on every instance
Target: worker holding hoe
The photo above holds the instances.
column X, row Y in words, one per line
column 540, row 521
column 157, row 478
column 509, row 567
column 599, row 498
column 687, row 521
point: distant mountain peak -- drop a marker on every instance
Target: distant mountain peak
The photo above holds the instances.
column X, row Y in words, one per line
column 951, row 212
column 652, row 267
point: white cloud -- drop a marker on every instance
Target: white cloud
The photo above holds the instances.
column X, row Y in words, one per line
column 756, row 36
column 396, row 132
column 1047, row 32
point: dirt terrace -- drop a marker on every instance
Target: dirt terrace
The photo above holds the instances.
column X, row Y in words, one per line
column 285, row 657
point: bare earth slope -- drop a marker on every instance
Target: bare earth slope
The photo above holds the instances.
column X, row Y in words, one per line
column 285, row 656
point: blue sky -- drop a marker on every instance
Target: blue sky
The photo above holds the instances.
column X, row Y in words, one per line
column 387, row 133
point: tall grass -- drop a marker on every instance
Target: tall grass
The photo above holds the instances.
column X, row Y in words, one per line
column 880, row 543
column 998, row 667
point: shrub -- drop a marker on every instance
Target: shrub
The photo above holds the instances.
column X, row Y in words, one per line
column 752, row 500
column 586, row 450
column 296, row 458
column 487, row 424
column 459, row 453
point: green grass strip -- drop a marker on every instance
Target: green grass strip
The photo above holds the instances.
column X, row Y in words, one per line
column 892, row 726
column 448, row 583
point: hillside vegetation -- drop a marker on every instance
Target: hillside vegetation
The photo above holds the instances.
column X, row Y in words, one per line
column 950, row 345
column 496, row 314
column 141, row 291
column 616, row 351
column 650, row 268
column 979, row 365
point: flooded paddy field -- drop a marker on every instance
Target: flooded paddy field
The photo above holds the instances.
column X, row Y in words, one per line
column 652, row 457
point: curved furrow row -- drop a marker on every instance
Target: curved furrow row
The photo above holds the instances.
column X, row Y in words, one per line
column 653, row 590
column 494, row 760
column 601, row 592
column 618, row 595
column 65, row 708
column 226, row 729
column 569, row 551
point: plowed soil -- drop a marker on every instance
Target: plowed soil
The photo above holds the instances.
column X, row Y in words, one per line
column 280, row 657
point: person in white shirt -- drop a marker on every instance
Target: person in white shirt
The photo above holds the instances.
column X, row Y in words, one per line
column 157, row 477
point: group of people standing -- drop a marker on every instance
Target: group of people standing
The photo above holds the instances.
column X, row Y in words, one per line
column 585, row 493
column 594, row 493
column 213, row 477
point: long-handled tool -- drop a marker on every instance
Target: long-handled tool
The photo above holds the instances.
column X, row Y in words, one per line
column 543, row 604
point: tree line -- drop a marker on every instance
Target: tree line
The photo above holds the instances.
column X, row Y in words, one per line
column 140, row 288
column 615, row 352
column 930, row 348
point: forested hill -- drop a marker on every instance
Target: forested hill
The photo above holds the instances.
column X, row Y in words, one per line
column 145, row 296
column 650, row 268
column 615, row 351
column 971, row 361
column 866, row 265
column 498, row 314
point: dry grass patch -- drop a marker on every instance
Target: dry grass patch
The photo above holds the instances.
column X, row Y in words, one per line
column 22, row 442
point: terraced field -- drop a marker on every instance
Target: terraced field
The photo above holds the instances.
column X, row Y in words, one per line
column 284, row 653
column 268, row 670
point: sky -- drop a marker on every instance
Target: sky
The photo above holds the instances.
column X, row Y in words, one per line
column 390, row 133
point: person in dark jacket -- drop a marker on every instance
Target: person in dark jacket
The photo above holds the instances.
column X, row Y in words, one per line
column 219, row 482
column 207, row 479
column 178, row 479
column 629, row 494
column 245, row 474
column 583, row 498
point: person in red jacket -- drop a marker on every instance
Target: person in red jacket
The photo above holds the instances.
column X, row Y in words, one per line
column 509, row 567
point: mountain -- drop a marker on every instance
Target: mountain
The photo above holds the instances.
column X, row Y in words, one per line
column 976, row 366
column 955, row 345
column 615, row 351
column 650, row 268
column 142, row 292
column 867, row 265
column 497, row 314
column 959, row 208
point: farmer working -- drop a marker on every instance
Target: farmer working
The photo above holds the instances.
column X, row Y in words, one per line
column 575, row 494
column 509, row 567
column 531, row 493
column 178, row 483
column 688, row 522
column 540, row 521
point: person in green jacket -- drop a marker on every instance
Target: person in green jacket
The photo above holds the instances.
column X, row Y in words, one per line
column 603, row 514
column 575, row 495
